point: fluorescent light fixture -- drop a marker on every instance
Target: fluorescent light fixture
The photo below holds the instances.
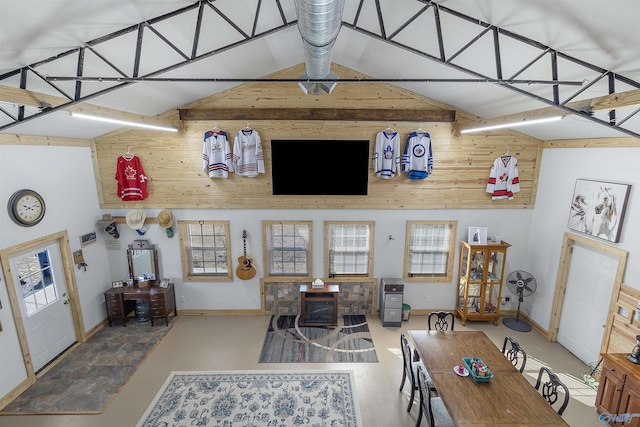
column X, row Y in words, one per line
column 514, row 124
column 123, row 122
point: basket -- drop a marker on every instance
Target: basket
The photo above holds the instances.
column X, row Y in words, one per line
column 592, row 376
column 467, row 364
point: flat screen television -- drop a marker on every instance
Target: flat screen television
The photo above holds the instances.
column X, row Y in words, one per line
column 320, row 167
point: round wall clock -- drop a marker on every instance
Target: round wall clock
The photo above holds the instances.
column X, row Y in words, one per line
column 26, row 208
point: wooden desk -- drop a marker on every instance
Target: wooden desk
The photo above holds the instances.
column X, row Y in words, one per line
column 121, row 301
column 319, row 306
column 507, row 400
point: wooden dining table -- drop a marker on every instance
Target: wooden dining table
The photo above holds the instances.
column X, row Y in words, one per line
column 508, row 399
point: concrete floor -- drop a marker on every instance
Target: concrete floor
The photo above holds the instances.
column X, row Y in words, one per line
column 202, row 343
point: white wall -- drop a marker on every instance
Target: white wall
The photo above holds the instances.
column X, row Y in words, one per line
column 560, row 169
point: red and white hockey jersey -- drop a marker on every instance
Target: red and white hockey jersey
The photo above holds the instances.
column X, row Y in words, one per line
column 503, row 178
column 247, row 153
column 417, row 159
column 386, row 157
column 132, row 182
column 216, row 154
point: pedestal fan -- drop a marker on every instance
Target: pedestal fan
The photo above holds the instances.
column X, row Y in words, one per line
column 522, row 284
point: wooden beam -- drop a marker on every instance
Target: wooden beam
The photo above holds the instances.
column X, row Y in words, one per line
column 337, row 114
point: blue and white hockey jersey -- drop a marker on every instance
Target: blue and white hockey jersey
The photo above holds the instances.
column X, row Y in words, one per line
column 386, row 157
column 216, row 154
column 417, row 159
column 247, row 153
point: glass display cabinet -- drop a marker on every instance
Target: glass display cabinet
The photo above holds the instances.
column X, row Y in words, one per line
column 480, row 281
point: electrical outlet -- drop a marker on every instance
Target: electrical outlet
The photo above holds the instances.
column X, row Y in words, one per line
column 507, row 299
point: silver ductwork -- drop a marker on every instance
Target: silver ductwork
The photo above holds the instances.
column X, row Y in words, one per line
column 319, row 23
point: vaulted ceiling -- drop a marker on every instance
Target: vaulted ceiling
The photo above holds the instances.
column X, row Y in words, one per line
column 501, row 60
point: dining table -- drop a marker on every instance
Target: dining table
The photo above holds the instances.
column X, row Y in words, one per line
column 507, row 399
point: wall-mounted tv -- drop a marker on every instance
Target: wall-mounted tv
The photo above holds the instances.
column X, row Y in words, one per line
column 320, row 167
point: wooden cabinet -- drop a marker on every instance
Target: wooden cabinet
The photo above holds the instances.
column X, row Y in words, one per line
column 117, row 307
column 618, row 398
column 480, row 281
column 319, row 307
column 122, row 301
column 162, row 302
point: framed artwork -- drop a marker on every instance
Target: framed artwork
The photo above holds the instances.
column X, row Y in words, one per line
column 116, row 284
column 164, row 283
column 597, row 208
column 88, row 238
column 477, row 235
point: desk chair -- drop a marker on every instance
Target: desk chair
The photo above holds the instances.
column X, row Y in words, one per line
column 440, row 321
column 435, row 412
column 550, row 388
column 514, row 353
column 410, row 369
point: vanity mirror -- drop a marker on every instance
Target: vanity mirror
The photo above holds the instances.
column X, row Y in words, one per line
column 143, row 261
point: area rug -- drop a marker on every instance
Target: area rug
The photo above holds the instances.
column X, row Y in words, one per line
column 288, row 342
column 255, row 398
column 93, row 373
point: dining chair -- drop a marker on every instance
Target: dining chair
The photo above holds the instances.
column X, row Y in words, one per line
column 431, row 406
column 440, row 321
column 550, row 388
column 410, row 369
column 514, row 353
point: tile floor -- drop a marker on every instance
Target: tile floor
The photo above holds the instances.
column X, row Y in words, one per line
column 199, row 343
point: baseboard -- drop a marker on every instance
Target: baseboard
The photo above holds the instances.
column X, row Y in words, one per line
column 256, row 312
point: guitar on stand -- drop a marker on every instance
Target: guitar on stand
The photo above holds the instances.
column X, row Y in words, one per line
column 245, row 270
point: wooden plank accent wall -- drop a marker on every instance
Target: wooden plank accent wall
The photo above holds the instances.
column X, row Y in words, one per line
column 173, row 162
column 621, row 338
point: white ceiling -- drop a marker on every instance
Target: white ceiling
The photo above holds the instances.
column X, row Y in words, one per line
column 603, row 33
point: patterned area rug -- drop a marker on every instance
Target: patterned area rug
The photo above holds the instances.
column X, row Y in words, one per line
column 288, row 342
column 88, row 379
column 255, row 398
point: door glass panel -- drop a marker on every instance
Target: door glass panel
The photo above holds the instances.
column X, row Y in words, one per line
column 37, row 281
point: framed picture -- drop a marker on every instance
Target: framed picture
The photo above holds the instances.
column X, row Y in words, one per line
column 164, row 283
column 129, row 282
column 116, row 284
column 597, row 208
column 88, row 238
column 477, row 235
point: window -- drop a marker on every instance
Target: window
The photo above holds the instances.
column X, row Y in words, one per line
column 348, row 248
column 430, row 250
column 36, row 281
column 205, row 250
column 288, row 248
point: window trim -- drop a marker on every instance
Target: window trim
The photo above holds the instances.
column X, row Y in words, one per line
column 184, row 253
column 266, row 254
column 370, row 257
column 453, row 229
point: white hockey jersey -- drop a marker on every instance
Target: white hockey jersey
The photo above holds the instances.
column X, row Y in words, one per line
column 417, row 159
column 247, row 153
column 503, row 178
column 386, row 157
column 216, row 154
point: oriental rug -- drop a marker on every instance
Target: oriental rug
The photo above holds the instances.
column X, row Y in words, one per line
column 288, row 342
column 255, row 398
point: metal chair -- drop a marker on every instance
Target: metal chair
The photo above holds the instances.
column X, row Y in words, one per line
column 550, row 388
column 514, row 353
column 430, row 405
column 441, row 321
column 409, row 369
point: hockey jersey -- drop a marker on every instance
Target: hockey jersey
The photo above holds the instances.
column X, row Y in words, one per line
column 216, row 154
column 247, row 153
column 386, row 157
column 417, row 159
column 132, row 182
column 503, row 178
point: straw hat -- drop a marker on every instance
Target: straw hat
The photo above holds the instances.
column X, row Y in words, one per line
column 106, row 219
column 165, row 218
column 135, row 218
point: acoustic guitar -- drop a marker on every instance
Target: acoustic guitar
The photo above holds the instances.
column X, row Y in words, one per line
column 245, row 270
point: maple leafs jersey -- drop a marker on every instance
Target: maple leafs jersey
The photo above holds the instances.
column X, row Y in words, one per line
column 417, row 159
column 216, row 154
column 132, row 182
column 503, row 178
column 247, row 153
column 386, row 157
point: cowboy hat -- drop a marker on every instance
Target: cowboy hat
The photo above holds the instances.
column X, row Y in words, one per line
column 165, row 218
column 106, row 219
column 135, row 219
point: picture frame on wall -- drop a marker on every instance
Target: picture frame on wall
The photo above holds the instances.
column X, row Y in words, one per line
column 477, row 235
column 87, row 239
column 598, row 207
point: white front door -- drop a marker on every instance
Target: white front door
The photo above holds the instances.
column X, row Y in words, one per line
column 44, row 302
column 586, row 302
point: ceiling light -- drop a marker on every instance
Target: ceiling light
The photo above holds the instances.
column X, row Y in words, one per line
column 514, row 124
column 123, row 122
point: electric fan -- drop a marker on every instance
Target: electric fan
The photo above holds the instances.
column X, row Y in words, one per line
column 522, row 284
